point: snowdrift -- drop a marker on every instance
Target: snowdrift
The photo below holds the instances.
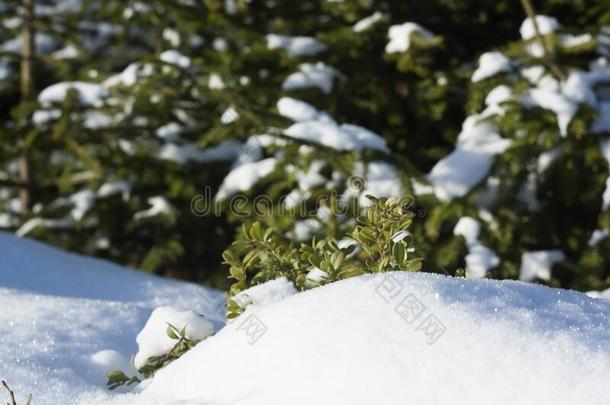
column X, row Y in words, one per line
column 67, row 320
column 393, row 338
column 400, row 338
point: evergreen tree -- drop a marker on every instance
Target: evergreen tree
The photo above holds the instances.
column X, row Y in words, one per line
column 134, row 113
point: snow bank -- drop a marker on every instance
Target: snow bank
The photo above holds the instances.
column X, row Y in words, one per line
column 71, row 319
column 402, row 338
column 36, row 268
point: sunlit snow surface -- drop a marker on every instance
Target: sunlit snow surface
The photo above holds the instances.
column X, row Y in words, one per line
column 66, row 320
column 390, row 338
column 403, row 338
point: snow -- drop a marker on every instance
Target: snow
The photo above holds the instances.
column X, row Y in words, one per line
column 298, row 110
column 82, row 202
column 546, row 25
column 215, row 82
column 602, row 122
column 490, row 64
column 229, row 116
column 159, row 206
column 60, row 7
column 176, row 58
column 153, row 339
column 564, row 98
column 538, row 264
column 244, row 177
column 548, row 99
column 400, row 36
column 44, row 43
column 265, row 293
column 295, row 46
column 377, row 178
column 478, row 143
column 41, row 117
column 479, row 258
column 310, row 75
column 187, row 152
column 111, row 188
column 367, row 22
column 35, row 222
column 305, row 229
column 597, row 236
column 605, row 294
column 71, row 319
column 97, row 119
column 252, row 150
column 311, row 178
column 569, row 41
column 130, row 75
column 89, row 94
column 172, row 36
column 169, row 131
column 78, row 319
column 70, row 51
column 469, row 228
column 420, row 188
column 340, row 137
column 605, row 149
column 5, row 70
column 104, row 360
column 533, row 73
column 498, row 95
column 317, row 276
column 392, row 337
column 546, row 159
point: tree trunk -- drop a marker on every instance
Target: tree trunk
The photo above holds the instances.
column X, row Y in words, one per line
column 28, row 53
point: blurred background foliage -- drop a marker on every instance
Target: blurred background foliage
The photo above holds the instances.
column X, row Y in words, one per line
column 115, row 176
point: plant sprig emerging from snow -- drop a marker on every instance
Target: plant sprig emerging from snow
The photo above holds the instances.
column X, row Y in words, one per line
column 380, row 242
column 183, row 344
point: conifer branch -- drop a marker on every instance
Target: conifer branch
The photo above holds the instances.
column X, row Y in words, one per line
column 28, row 34
column 546, row 53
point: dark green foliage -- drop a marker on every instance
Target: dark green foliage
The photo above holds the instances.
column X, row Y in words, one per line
column 417, row 100
column 379, row 242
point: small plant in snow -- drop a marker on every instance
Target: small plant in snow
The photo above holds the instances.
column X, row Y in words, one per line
column 183, row 344
column 379, row 242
